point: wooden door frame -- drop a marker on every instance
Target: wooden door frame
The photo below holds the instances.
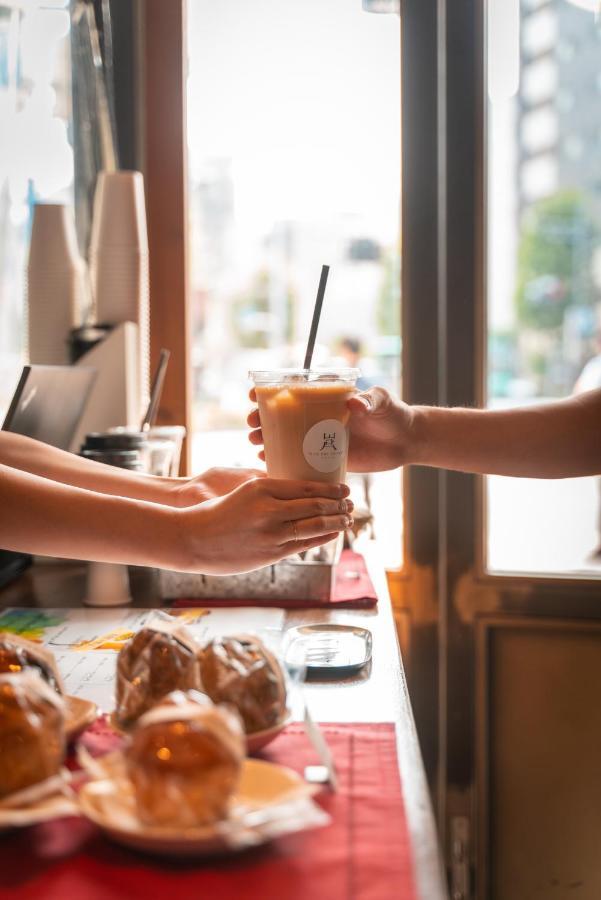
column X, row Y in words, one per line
column 422, row 220
column 162, row 31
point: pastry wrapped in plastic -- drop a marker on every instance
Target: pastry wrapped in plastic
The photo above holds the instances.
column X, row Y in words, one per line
column 184, row 761
column 160, row 658
column 241, row 670
column 20, row 655
column 32, row 732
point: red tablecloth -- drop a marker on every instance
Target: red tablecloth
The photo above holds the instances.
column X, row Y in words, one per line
column 352, row 590
column 363, row 855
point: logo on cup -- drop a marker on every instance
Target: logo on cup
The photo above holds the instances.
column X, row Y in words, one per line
column 324, row 446
column 328, row 441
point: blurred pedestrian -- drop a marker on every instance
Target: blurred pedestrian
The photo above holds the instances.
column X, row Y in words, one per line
column 351, row 351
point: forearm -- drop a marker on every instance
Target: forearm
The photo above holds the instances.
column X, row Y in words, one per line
column 41, row 459
column 49, row 518
column 556, row 440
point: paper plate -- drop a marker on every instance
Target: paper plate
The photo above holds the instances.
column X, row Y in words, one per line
column 79, row 714
column 271, row 800
column 259, row 739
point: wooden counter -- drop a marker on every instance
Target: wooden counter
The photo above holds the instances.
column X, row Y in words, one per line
column 378, row 695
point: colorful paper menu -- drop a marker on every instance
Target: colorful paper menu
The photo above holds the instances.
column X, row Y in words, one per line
column 85, row 641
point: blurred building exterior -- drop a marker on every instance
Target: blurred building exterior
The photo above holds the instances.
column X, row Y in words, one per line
column 559, row 102
column 545, row 223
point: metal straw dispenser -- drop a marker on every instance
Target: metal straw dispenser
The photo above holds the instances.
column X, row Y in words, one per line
column 291, row 579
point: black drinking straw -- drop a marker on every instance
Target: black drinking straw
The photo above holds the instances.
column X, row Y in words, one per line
column 325, row 270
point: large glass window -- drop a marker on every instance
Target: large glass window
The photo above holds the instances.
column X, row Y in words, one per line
column 544, row 262
column 36, row 156
column 294, row 161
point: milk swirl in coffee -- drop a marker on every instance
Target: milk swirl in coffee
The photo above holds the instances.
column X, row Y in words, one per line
column 305, row 423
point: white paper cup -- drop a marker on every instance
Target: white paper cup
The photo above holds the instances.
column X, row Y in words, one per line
column 119, row 218
column 107, row 585
column 56, row 284
column 53, row 243
column 121, row 291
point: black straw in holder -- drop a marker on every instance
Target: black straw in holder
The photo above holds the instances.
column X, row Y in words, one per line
column 325, row 270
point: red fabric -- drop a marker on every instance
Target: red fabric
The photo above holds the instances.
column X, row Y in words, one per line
column 363, row 855
column 349, row 592
column 100, row 738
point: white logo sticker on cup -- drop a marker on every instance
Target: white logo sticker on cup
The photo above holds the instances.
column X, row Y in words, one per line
column 324, row 446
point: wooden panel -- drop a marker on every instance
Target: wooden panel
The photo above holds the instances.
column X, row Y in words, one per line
column 544, row 774
column 164, row 129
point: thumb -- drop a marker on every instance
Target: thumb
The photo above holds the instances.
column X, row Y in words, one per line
column 365, row 402
column 360, row 404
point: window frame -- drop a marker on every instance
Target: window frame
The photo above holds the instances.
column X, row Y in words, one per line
column 163, row 155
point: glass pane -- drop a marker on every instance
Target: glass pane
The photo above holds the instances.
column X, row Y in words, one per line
column 36, row 156
column 544, row 262
column 294, row 161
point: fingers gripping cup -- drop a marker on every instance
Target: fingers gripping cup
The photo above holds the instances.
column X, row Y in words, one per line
column 304, row 420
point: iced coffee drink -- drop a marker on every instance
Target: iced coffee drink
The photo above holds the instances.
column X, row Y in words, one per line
column 304, row 419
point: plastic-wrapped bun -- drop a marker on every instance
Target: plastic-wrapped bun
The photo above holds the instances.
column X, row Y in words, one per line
column 160, row 658
column 32, row 732
column 241, row 670
column 184, row 761
column 20, row 655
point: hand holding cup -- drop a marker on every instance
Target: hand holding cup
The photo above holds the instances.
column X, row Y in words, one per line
column 381, row 429
column 261, row 522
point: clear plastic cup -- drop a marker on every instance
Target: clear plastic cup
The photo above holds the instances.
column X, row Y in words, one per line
column 304, row 419
column 160, row 456
column 175, row 434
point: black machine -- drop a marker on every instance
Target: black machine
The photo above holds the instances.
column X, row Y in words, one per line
column 47, row 405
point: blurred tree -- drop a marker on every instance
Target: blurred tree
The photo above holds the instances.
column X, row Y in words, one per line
column 555, row 260
column 250, row 313
column 254, row 323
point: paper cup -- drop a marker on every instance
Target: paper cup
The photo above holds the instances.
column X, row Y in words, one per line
column 119, row 218
column 107, row 585
column 56, row 284
column 53, row 242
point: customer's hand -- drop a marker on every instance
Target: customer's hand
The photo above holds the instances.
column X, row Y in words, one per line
column 381, row 431
column 213, row 483
column 261, row 522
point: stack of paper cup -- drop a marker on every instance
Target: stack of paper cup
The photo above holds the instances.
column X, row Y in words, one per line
column 107, row 585
column 119, row 258
column 56, row 285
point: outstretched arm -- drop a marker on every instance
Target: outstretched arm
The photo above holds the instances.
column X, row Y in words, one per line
column 37, row 458
column 258, row 523
column 554, row 440
column 50, row 518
